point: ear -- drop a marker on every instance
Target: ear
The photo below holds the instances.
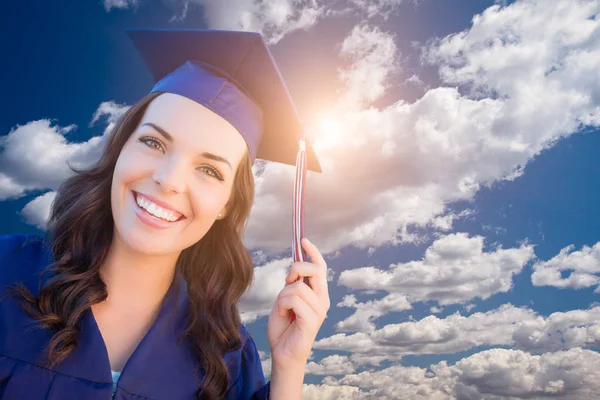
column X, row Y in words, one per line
column 222, row 214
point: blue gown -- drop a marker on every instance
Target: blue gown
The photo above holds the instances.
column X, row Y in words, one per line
column 159, row 368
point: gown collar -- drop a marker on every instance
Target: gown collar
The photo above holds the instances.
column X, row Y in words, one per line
column 159, row 366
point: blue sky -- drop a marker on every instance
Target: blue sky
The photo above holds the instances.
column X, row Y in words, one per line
column 458, row 204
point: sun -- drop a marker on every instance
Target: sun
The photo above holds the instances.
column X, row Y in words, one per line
column 327, row 130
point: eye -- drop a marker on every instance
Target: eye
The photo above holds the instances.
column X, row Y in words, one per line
column 152, row 142
column 210, row 171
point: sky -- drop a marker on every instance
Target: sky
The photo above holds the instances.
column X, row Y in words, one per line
column 458, row 205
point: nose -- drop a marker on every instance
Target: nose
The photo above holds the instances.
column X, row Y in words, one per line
column 170, row 176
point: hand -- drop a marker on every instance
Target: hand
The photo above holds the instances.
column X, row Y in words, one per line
column 292, row 341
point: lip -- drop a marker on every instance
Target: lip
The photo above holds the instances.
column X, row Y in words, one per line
column 157, row 202
column 150, row 219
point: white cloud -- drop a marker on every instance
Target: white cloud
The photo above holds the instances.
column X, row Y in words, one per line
column 119, row 4
column 559, row 331
column 569, row 374
column 375, row 59
column 273, row 18
column 400, row 166
column 110, row 111
column 511, row 326
column 329, row 392
column 269, row 280
column 444, row 222
column 455, row 269
column 435, row 310
column 370, row 310
column 378, row 8
column 9, row 188
column 36, row 212
column 582, row 266
column 396, row 382
column 540, row 59
column 265, row 361
column 492, row 374
column 36, row 155
column 331, row 365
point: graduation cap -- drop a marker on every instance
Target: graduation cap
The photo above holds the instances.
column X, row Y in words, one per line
column 233, row 74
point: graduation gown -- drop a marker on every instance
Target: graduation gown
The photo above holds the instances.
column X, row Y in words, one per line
column 159, row 368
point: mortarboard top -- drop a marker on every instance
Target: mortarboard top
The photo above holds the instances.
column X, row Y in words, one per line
column 233, row 74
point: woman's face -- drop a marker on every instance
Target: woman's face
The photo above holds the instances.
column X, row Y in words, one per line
column 174, row 176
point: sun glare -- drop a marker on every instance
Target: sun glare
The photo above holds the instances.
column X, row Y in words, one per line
column 328, row 130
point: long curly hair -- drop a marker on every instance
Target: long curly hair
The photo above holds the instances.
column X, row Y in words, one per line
column 80, row 230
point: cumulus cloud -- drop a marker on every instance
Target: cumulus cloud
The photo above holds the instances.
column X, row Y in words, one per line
column 373, row 54
column 269, row 280
column 455, row 269
column 518, row 80
column 9, row 188
column 539, row 59
column 582, row 268
column 369, row 311
column 396, row 382
column 329, row 392
column 375, row 59
column 492, row 374
column 273, row 19
column 569, row 374
column 111, row 112
column 445, row 222
column 508, row 325
column 331, row 365
column 37, row 211
column 36, row 157
column 119, row 4
column 265, row 361
column 277, row 18
column 512, row 88
column 379, row 8
column 435, row 310
column 469, row 307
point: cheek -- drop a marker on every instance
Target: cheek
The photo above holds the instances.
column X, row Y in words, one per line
column 129, row 167
column 207, row 200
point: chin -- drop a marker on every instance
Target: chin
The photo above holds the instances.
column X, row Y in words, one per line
column 145, row 242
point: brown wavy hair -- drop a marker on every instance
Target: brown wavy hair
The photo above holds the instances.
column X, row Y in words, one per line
column 80, row 230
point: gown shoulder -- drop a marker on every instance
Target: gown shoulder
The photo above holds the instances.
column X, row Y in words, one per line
column 22, row 259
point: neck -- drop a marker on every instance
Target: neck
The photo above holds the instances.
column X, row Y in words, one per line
column 134, row 280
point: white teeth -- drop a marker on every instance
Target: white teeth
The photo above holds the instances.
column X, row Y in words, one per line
column 155, row 210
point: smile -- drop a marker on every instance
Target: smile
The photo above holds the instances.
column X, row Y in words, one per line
column 155, row 210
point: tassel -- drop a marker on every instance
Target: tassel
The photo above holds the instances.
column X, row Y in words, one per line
column 298, row 253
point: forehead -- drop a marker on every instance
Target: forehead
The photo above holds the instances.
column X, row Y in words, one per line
column 195, row 127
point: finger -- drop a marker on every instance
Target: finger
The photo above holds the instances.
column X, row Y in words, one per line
column 313, row 252
column 295, row 303
column 318, row 305
column 317, row 279
column 302, row 269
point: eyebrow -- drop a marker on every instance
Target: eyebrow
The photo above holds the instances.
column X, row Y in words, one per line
column 204, row 154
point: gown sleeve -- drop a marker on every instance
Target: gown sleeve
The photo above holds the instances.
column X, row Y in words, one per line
column 251, row 381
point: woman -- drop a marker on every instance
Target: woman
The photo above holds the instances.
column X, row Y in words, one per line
column 144, row 251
